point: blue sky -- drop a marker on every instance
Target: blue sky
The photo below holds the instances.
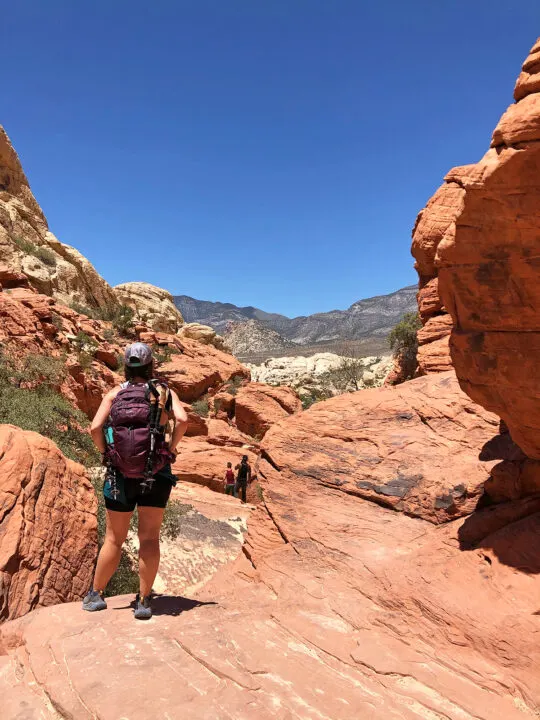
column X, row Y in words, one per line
column 264, row 152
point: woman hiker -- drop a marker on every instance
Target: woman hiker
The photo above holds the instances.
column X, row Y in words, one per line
column 135, row 417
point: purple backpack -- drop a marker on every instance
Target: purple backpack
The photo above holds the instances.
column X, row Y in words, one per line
column 138, row 447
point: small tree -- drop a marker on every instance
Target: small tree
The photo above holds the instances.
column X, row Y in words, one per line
column 404, row 343
column 348, row 373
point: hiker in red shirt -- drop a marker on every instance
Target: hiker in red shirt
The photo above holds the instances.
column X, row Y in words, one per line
column 230, row 481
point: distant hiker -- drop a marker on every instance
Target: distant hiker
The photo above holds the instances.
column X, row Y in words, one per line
column 243, row 477
column 230, row 481
column 130, row 429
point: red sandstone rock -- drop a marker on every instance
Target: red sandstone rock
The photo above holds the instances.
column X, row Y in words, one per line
column 413, row 448
column 196, row 368
column 221, row 432
column 48, row 539
column 486, row 261
column 259, row 406
column 197, row 425
column 433, row 345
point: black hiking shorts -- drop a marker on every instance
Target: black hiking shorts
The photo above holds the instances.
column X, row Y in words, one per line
column 130, row 492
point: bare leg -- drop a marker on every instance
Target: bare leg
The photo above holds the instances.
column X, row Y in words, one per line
column 150, row 519
column 111, row 550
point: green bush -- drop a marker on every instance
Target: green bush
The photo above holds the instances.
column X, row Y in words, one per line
column 57, row 322
column 201, row 407
column 41, row 408
column 172, row 519
column 120, row 316
column 44, row 254
column 234, row 384
column 404, row 343
column 25, row 245
column 164, row 353
column 83, row 309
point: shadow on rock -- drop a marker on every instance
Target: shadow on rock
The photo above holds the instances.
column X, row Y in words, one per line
column 170, row 605
column 510, row 530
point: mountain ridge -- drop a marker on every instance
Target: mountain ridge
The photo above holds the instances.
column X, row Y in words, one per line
column 369, row 317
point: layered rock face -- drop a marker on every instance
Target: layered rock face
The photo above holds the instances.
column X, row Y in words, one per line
column 27, row 245
column 48, row 528
column 152, row 305
column 479, row 235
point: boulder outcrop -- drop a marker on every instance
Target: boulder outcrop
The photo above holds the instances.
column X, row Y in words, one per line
column 479, row 236
column 259, row 406
column 28, row 247
column 413, row 448
column 308, row 374
column 48, row 528
column 192, row 368
column 203, row 334
column 153, row 306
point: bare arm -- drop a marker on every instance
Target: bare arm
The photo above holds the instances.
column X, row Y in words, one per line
column 180, row 419
column 100, row 418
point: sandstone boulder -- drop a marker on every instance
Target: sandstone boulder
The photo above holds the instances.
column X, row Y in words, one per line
column 28, row 247
column 203, row 334
column 259, row 406
column 193, row 368
column 48, row 529
column 413, row 448
column 152, row 305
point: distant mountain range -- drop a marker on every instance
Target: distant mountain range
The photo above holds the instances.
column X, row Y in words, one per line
column 366, row 320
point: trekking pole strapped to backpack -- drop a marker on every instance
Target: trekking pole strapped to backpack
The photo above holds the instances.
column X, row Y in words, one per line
column 158, row 399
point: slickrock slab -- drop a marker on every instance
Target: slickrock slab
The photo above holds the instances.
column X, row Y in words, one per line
column 48, row 529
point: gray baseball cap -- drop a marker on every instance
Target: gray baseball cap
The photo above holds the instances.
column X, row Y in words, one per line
column 137, row 355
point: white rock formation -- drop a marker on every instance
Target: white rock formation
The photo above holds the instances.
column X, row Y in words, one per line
column 307, row 374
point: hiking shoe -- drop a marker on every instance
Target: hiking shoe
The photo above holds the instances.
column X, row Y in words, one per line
column 93, row 601
column 143, row 608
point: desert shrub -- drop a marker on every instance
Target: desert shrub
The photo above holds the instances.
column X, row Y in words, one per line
column 120, row 316
column 40, row 407
column 44, row 254
column 234, row 384
column 57, row 321
column 42, row 369
column 83, row 309
column 108, row 335
column 172, row 519
column 404, row 343
column 84, row 343
column 25, row 245
column 201, row 407
column 259, row 492
column 164, row 353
